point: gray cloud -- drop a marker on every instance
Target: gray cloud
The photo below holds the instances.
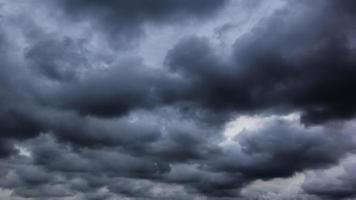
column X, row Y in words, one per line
column 85, row 120
column 285, row 62
column 122, row 21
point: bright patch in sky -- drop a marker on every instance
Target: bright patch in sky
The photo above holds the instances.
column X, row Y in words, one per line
column 254, row 123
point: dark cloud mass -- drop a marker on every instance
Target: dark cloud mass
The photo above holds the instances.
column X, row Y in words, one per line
column 177, row 99
column 278, row 64
column 127, row 17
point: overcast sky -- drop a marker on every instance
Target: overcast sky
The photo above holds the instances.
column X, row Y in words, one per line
column 177, row 99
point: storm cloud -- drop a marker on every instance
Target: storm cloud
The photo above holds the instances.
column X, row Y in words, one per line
column 172, row 99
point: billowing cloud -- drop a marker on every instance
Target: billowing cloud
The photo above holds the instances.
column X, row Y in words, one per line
column 288, row 61
column 241, row 100
column 122, row 21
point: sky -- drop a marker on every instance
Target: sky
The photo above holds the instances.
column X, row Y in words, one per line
column 177, row 99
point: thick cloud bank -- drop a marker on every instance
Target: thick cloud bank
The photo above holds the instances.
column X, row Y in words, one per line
column 177, row 99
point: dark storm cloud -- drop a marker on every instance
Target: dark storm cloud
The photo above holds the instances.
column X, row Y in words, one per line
column 294, row 68
column 15, row 121
column 101, row 125
column 123, row 20
column 110, row 92
column 6, row 148
column 86, row 171
column 337, row 182
column 261, row 154
column 300, row 61
column 280, row 149
column 114, row 163
column 145, row 10
column 58, row 60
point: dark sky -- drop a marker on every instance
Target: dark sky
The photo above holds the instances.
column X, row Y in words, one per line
column 177, row 99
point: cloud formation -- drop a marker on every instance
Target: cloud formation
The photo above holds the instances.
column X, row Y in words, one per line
column 84, row 116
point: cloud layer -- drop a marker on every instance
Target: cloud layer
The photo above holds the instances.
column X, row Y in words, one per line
column 85, row 114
